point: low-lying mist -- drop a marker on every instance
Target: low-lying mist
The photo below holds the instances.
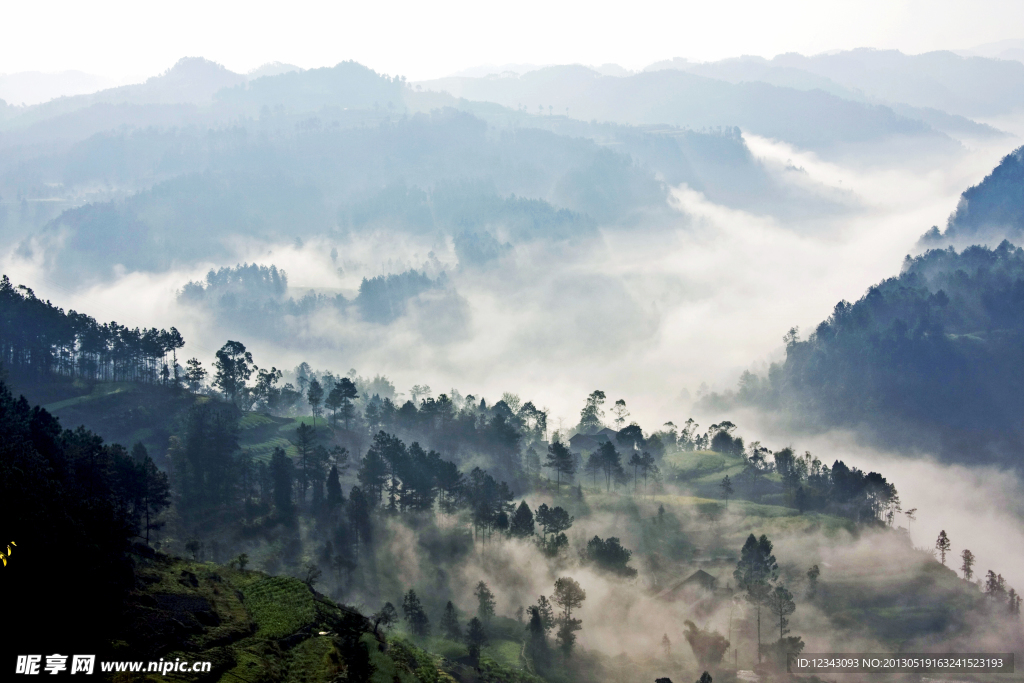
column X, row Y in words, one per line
column 648, row 314
column 980, row 508
column 862, row 570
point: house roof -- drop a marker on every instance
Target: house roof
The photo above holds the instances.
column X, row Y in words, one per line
column 701, row 578
column 693, row 585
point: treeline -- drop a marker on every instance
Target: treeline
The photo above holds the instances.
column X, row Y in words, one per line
column 994, row 585
column 810, row 485
column 39, row 338
column 783, row 477
column 254, row 294
column 929, row 359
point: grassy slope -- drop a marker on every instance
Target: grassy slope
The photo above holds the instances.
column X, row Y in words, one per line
column 267, row 629
column 261, row 434
column 120, row 412
column 126, row 412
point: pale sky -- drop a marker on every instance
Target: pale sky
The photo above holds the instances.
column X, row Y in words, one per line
column 119, row 39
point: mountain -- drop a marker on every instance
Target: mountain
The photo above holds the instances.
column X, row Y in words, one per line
column 968, row 86
column 192, row 80
column 928, row 360
column 799, row 76
column 989, row 212
column 346, row 85
column 812, row 119
column 417, row 175
column 1003, row 49
column 272, row 69
column 309, row 152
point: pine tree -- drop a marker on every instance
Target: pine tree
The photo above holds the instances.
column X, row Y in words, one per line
column 154, row 491
column 419, row 624
column 593, row 466
column 305, row 443
column 450, row 623
column 476, row 638
column 234, row 367
column 611, row 462
column 335, row 496
column 569, row 595
column 968, row 563
column 561, row 460
column 812, row 580
column 995, row 586
column 636, row 460
column 281, row 473
column 755, row 572
column 485, row 598
column 194, row 374
column 590, row 416
column 315, row 397
column 522, row 525
column 359, row 507
column 780, row 603
column 943, row 545
column 727, row 490
column 386, row 617
column 538, row 633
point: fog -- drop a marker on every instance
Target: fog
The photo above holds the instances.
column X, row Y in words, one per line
column 980, row 508
column 627, row 618
column 646, row 314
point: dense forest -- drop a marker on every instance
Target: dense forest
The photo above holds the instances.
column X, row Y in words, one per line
column 930, row 359
column 320, row 479
column 988, row 212
column 253, row 297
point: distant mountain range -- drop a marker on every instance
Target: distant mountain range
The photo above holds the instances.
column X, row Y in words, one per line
column 808, row 118
column 955, row 84
column 282, row 152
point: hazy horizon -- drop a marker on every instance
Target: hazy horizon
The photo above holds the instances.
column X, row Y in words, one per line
column 422, row 42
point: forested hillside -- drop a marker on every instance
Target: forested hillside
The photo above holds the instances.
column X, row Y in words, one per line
column 930, row 359
column 486, row 527
column 989, row 212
